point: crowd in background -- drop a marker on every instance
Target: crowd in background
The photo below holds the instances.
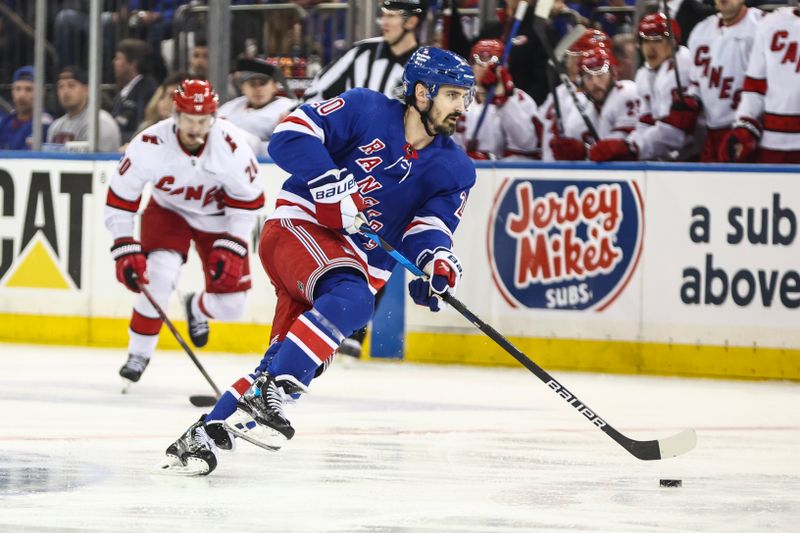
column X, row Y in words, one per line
column 600, row 108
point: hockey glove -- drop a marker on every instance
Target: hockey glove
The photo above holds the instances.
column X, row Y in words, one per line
column 226, row 263
column 444, row 271
column 613, row 150
column 131, row 262
column 337, row 199
column 684, row 112
column 497, row 74
column 568, row 149
column 739, row 145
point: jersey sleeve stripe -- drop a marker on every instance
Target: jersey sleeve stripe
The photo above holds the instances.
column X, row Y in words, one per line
column 647, row 119
column 252, row 205
column 299, row 122
column 112, row 200
column 755, row 85
column 420, row 224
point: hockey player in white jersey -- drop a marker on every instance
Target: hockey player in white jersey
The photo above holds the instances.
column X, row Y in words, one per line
column 654, row 138
column 205, row 189
column 610, row 105
column 720, row 48
column 548, row 116
column 511, row 127
column 767, row 127
column 259, row 109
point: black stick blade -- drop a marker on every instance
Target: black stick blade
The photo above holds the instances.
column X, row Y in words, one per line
column 665, row 448
column 202, row 400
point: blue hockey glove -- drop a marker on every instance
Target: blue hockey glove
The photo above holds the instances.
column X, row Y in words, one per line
column 444, row 272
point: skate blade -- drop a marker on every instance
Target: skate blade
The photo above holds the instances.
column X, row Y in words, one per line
column 243, row 426
column 173, row 466
column 126, row 384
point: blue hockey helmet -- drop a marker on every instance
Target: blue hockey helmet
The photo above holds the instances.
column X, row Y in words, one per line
column 434, row 67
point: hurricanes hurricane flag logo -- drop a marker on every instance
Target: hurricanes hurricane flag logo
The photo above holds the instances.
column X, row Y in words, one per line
column 564, row 244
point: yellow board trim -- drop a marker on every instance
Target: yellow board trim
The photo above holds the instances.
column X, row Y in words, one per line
column 446, row 348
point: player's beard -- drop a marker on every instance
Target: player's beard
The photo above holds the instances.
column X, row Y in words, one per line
column 445, row 127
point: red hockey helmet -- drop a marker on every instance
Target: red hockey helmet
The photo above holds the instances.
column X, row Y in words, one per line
column 597, row 61
column 590, row 40
column 486, row 52
column 195, row 97
column 654, row 26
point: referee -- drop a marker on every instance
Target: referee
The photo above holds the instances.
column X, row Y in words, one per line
column 375, row 63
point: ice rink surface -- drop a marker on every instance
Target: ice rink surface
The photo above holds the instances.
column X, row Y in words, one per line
column 392, row 447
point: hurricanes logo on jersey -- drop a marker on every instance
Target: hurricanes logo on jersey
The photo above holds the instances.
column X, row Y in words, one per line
column 558, row 244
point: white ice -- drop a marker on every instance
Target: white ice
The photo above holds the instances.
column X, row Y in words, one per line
column 392, row 447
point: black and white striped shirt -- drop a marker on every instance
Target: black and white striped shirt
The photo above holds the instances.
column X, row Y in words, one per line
column 370, row 63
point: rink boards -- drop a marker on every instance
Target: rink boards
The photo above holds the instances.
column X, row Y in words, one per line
column 632, row 268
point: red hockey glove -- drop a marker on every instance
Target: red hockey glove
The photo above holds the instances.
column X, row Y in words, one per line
column 684, row 112
column 131, row 263
column 739, row 145
column 479, row 155
column 497, row 74
column 613, row 150
column 568, row 149
column 226, row 262
column 444, row 272
column 337, row 199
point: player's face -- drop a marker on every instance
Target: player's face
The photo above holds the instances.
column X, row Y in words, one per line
column 22, row 96
column 72, row 95
column 656, row 51
column 571, row 65
column 728, row 9
column 597, row 86
column 192, row 129
column 448, row 105
column 259, row 91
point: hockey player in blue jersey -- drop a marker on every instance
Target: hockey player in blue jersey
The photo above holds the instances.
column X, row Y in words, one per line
column 359, row 156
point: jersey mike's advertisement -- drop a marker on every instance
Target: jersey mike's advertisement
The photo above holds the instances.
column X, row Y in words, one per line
column 564, row 243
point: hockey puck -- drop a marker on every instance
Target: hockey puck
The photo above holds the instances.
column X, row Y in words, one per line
column 670, row 482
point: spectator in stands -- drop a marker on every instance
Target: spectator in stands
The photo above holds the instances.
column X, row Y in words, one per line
column 198, row 60
column 16, row 128
column 260, row 108
column 71, row 34
column 73, row 95
column 135, row 89
column 151, row 20
column 160, row 105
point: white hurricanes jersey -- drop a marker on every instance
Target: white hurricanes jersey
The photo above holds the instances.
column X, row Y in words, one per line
column 616, row 119
column 771, row 93
column 548, row 117
column 258, row 122
column 510, row 131
column 719, row 60
column 655, row 138
column 216, row 191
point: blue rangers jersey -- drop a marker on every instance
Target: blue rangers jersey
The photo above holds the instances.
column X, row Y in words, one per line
column 415, row 198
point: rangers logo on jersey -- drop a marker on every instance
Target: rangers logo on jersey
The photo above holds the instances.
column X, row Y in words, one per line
column 563, row 244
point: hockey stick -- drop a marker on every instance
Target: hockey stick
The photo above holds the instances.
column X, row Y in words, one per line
column 540, row 16
column 561, row 49
column 672, row 446
column 673, row 47
column 519, row 14
column 198, row 400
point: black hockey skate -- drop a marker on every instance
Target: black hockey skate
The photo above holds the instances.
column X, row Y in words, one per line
column 133, row 368
column 193, row 454
column 259, row 418
column 197, row 324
